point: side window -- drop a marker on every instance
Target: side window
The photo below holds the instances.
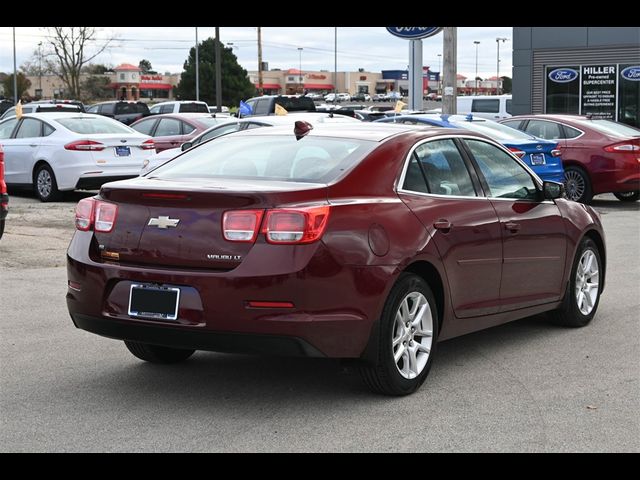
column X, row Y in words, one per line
column 513, row 124
column 507, row 106
column 486, row 106
column 252, row 125
column 252, row 104
column 166, row 109
column 144, row 127
column 167, row 127
column 544, row 129
column 505, row 177
column 7, row 127
column 92, row 109
column 47, row 129
column 186, row 128
column 155, row 109
column 444, row 169
column 29, row 128
column 570, row 132
column 262, row 107
column 108, row 108
column 414, row 179
column 220, row 131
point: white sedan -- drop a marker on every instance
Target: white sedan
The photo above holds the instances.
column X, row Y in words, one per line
column 53, row 152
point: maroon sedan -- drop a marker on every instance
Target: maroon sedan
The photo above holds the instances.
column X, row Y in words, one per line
column 599, row 156
column 368, row 242
column 172, row 130
column 4, row 198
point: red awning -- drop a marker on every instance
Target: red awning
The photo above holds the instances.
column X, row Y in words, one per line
column 317, row 86
column 269, row 86
column 155, row 86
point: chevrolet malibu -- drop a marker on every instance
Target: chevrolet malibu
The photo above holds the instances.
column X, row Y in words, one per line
column 366, row 242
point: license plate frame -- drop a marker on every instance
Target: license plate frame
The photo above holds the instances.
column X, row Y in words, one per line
column 137, row 308
column 537, row 159
column 122, row 151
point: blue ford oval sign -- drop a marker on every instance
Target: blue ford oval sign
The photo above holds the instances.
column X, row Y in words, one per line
column 631, row 73
column 563, row 75
column 413, row 33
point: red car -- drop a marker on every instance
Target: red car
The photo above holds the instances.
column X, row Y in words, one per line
column 364, row 241
column 172, row 130
column 4, row 198
column 599, row 156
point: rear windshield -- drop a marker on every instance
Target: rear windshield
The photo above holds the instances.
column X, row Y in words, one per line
column 296, row 104
column 89, row 125
column 131, row 108
column 611, row 128
column 281, row 157
column 494, row 130
column 58, row 108
column 193, row 108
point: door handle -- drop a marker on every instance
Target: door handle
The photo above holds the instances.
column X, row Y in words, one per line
column 32, row 145
column 443, row 225
column 512, row 226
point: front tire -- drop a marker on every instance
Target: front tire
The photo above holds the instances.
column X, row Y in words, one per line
column 156, row 353
column 407, row 339
column 45, row 185
column 632, row 196
column 577, row 185
column 582, row 296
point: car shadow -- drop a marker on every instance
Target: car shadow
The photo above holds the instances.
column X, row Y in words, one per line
column 609, row 202
column 72, row 197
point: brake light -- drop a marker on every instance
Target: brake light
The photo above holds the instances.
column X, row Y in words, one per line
column 95, row 213
column 622, row 147
column 293, row 226
column 556, row 153
column 85, row 145
column 148, row 145
column 241, row 225
column 516, row 151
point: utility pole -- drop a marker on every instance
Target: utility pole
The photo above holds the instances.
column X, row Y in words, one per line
column 498, row 64
column 15, row 70
column 450, row 55
column 300, row 87
column 476, row 78
column 40, row 68
column 415, row 75
column 260, row 89
column 218, row 73
column 439, row 74
column 335, row 61
column 197, row 69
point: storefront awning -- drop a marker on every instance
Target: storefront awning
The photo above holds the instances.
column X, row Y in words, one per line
column 269, row 86
column 317, row 86
column 155, row 86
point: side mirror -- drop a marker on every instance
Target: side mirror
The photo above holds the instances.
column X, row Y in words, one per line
column 552, row 190
column 186, row 146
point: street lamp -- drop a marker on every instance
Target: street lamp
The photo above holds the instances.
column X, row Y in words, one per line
column 498, row 64
column 439, row 74
column 300, row 69
column 40, row 68
column 476, row 78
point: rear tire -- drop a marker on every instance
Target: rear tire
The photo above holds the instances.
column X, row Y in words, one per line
column 582, row 296
column 156, row 353
column 406, row 340
column 632, row 196
column 577, row 185
column 45, row 185
column 1, row 228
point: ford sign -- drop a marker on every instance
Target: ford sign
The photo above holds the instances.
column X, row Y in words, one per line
column 413, row 33
column 631, row 73
column 563, row 75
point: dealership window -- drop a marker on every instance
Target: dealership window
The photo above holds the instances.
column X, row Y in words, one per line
column 563, row 90
column 629, row 95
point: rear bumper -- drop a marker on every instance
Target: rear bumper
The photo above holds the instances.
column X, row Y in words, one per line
column 212, row 341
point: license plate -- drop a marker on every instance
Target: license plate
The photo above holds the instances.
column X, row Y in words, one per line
column 122, row 151
column 152, row 301
column 537, row 159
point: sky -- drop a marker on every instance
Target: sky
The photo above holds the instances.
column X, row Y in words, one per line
column 370, row 48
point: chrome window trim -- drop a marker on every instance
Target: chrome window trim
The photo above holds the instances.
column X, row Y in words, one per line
column 399, row 182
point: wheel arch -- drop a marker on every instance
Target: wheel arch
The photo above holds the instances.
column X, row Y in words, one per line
column 599, row 241
column 37, row 165
column 430, row 274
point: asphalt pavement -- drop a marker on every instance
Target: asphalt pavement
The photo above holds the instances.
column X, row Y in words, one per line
column 525, row 386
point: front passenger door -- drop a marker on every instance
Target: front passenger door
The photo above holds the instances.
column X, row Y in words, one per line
column 533, row 233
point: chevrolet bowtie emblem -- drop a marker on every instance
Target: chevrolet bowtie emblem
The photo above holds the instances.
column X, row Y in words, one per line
column 163, row 222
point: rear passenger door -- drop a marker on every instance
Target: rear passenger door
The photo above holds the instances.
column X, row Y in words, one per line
column 441, row 188
column 21, row 151
column 168, row 134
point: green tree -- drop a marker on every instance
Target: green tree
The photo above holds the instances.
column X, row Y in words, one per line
column 23, row 84
column 94, row 87
column 506, row 84
column 145, row 66
column 235, row 82
column 96, row 69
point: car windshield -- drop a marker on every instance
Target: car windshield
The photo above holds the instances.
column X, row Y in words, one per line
column 277, row 157
column 493, row 130
column 89, row 125
column 296, row 104
column 611, row 128
column 211, row 121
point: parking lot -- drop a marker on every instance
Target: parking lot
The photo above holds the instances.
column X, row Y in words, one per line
column 524, row 386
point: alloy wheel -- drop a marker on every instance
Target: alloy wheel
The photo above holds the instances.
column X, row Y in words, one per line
column 574, row 185
column 412, row 335
column 587, row 281
column 44, row 183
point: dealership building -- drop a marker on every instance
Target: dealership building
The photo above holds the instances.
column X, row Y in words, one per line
column 578, row 70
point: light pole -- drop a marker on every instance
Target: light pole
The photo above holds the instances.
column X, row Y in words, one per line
column 439, row 74
column 15, row 70
column 498, row 64
column 40, row 67
column 476, row 78
column 197, row 69
column 300, row 70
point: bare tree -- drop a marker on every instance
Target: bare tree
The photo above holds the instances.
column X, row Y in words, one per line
column 74, row 47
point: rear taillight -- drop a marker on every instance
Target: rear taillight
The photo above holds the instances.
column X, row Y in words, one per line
column 517, row 152
column 85, row 145
column 241, row 225
column 291, row 226
column 97, row 214
column 148, row 145
column 556, row 153
column 622, row 147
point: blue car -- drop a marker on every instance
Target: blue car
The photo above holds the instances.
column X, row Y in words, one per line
column 543, row 156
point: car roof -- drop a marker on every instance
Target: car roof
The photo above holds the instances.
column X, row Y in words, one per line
column 179, row 101
column 54, row 115
column 551, row 116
